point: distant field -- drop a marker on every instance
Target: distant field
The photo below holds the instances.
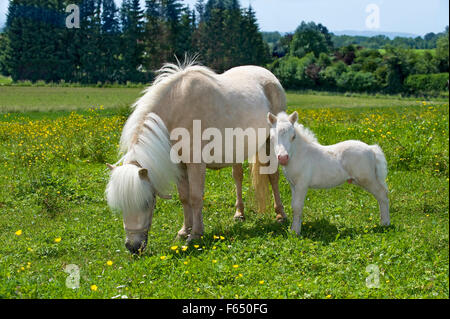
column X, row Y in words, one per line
column 420, row 51
column 21, row 99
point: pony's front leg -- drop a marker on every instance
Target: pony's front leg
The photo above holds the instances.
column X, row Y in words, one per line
column 278, row 204
column 298, row 200
column 196, row 175
column 183, row 192
column 238, row 175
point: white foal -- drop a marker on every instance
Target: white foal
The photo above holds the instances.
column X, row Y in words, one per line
column 307, row 164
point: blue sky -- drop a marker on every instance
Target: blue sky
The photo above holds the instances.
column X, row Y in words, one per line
column 410, row 16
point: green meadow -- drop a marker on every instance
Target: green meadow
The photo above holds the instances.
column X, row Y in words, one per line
column 55, row 141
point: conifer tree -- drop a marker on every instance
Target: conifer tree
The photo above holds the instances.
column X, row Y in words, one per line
column 132, row 45
column 153, row 35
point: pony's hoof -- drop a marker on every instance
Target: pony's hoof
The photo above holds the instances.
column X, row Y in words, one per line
column 281, row 218
column 193, row 237
column 182, row 234
column 239, row 217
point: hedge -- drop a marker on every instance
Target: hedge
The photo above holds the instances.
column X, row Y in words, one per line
column 423, row 83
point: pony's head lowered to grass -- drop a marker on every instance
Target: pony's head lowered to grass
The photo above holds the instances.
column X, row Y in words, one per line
column 146, row 172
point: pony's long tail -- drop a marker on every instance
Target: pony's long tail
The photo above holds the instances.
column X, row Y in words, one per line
column 381, row 170
column 260, row 183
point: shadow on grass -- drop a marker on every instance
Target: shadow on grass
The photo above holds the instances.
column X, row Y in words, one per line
column 322, row 230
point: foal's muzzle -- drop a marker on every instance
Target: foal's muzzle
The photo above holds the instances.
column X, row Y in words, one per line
column 283, row 159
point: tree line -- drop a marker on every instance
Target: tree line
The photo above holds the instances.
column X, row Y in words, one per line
column 309, row 59
column 276, row 41
column 126, row 43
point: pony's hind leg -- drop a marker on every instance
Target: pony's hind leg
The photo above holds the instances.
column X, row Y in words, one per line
column 380, row 192
column 183, row 193
column 238, row 175
column 278, row 205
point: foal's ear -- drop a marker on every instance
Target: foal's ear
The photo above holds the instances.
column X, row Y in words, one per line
column 271, row 119
column 111, row 167
column 293, row 118
column 143, row 173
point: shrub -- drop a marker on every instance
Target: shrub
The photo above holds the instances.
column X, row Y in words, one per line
column 295, row 73
column 427, row 83
column 357, row 81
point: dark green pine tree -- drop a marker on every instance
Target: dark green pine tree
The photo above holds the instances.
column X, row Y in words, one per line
column 233, row 36
column 185, row 35
column 15, row 58
column 87, row 41
column 109, row 42
column 35, row 40
column 212, row 37
column 253, row 48
column 132, row 47
column 172, row 11
column 200, row 7
column 3, row 48
column 153, row 35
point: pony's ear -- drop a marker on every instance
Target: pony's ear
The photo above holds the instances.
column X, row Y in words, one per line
column 143, row 173
column 271, row 119
column 293, row 118
column 111, row 167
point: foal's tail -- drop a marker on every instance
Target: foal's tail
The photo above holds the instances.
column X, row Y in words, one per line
column 381, row 170
column 260, row 184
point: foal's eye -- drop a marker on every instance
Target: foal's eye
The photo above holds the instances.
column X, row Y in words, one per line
column 293, row 138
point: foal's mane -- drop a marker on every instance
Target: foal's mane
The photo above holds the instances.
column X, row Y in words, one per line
column 306, row 133
column 301, row 130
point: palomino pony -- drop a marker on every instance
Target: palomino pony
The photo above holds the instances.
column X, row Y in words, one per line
column 180, row 96
column 307, row 164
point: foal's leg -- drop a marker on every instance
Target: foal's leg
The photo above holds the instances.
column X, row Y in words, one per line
column 196, row 176
column 238, row 174
column 298, row 201
column 183, row 192
column 381, row 194
column 279, row 209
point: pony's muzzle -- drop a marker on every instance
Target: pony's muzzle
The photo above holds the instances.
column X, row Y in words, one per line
column 136, row 242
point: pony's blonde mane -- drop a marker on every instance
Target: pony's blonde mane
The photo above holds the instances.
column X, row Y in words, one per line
column 168, row 76
column 129, row 192
column 145, row 140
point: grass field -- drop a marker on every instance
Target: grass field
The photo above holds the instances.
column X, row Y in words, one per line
column 53, row 212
